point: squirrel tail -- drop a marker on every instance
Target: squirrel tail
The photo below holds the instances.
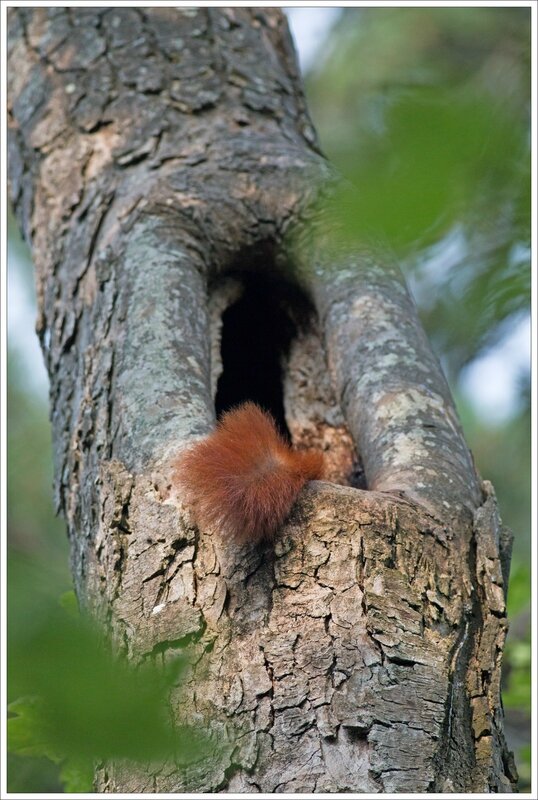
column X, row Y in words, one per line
column 244, row 477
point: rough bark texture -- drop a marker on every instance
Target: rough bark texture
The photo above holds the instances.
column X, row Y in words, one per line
column 162, row 162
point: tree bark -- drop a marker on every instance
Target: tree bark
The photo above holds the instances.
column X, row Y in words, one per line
column 166, row 173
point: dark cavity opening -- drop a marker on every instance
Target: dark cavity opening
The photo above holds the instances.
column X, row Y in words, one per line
column 257, row 331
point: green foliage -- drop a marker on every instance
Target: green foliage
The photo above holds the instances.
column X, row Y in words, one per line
column 32, row 525
column 442, row 149
column 517, row 656
column 524, row 768
column 77, row 703
column 426, row 111
column 518, row 591
column 517, row 692
column 29, row 734
column 90, row 704
column 77, row 775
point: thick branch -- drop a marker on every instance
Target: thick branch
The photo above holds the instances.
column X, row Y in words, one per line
column 388, row 381
column 393, row 391
column 163, row 353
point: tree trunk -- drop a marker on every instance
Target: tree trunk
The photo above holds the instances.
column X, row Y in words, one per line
column 166, row 173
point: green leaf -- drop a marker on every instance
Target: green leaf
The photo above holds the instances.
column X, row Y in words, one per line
column 27, row 731
column 93, row 704
column 77, row 775
column 517, row 692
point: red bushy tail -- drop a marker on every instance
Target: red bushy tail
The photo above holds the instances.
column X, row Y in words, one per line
column 243, row 477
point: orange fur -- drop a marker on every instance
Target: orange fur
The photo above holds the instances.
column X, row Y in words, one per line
column 243, row 477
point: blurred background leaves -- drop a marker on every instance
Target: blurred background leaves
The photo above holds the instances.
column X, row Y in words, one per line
column 75, row 699
column 427, row 112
